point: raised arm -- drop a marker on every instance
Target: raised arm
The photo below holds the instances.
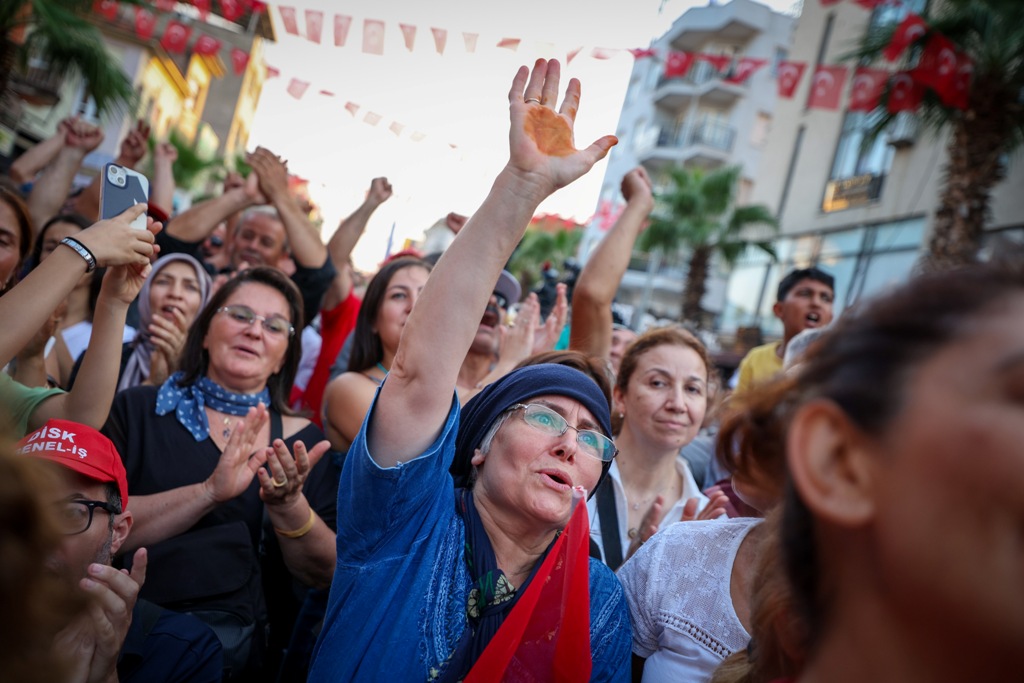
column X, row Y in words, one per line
column 344, row 239
column 440, row 329
column 591, row 330
column 161, row 189
column 133, row 148
column 304, row 241
column 37, row 157
column 51, row 189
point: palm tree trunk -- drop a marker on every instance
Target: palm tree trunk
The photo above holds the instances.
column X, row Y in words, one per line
column 696, row 281
column 976, row 148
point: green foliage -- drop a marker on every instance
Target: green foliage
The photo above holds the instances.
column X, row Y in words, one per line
column 190, row 169
column 538, row 246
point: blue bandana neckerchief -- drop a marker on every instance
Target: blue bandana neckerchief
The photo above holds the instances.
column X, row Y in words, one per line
column 188, row 402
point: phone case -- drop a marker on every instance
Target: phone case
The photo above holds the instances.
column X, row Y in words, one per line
column 123, row 188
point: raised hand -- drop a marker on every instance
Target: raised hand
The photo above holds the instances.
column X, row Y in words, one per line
column 168, row 337
column 165, row 152
column 455, row 221
column 518, row 339
column 648, row 526
column 241, row 458
column 114, row 242
column 717, row 505
column 541, row 142
column 380, row 191
column 122, row 283
column 548, row 334
column 83, row 136
column 282, row 479
column 272, row 173
column 636, row 186
column 133, row 147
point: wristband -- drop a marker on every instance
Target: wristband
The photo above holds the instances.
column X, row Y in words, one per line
column 302, row 530
column 81, row 250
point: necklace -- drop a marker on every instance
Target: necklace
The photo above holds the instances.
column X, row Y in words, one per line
column 227, row 429
column 381, row 367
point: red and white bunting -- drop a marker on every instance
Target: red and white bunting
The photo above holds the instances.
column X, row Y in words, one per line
column 373, row 36
column 273, row 72
column 509, row 43
column 108, row 9
column 744, row 69
column 718, row 62
column 352, row 108
column 571, row 55
column 297, row 88
column 289, row 20
column 165, row 5
column 372, row 118
column 910, row 30
column 145, row 23
column 604, row 52
column 417, row 136
column 204, row 8
column 239, row 60
column 408, row 35
column 327, row 93
column 642, row 52
column 470, row 41
column 396, row 128
column 232, row 10
column 175, row 37
column 314, row 25
column 867, row 87
column 789, row 75
column 826, row 87
column 342, row 22
column 206, row 45
column 440, row 39
column 904, row 93
column 677, row 64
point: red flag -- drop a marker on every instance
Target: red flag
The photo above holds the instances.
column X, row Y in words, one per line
column 327, row 93
column 175, row 36
column 314, row 25
column 641, row 52
column 959, row 97
column 257, row 6
column 289, row 20
column 373, row 36
column 678, row 64
column 297, row 88
column 106, row 8
column 165, row 5
column 145, row 23
column 352, row 108
column 232, row 10
column 603, row 52
column 396, row 128
column 937, row 67
column 912, row 28
column 826, row 87
column 273, row 72
column 571, row 55
column 719, row 62
column 790, row 74
column 206, row 45
column 470, row 40
column 546, row 636
column 341, row 25
column 440, row 39
column 204, row 8
column 904, row 93
column 744, row 69
column 870, row 4
column 239, row 60
column 867, row 88
column 408, row 35
column 510, row 43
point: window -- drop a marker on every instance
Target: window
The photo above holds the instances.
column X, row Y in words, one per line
column 894, row 11
column 781, row 54
column 854, row 157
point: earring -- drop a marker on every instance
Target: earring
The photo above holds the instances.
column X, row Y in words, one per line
column 621, row 415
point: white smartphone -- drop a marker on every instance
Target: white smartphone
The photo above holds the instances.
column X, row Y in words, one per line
column 123, row 188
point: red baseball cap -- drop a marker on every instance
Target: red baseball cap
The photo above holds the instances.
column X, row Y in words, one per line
column 79, row 448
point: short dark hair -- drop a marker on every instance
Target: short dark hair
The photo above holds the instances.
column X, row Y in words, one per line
column 795, row 276
column 76, row 219
column 195, row 359
column 366, row 347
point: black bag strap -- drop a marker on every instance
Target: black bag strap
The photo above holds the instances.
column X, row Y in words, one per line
column 609, row 524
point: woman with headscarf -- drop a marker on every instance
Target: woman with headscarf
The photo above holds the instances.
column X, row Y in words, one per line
column 431, row 573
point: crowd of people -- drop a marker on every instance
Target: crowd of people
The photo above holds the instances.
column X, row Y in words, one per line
column 224, row 460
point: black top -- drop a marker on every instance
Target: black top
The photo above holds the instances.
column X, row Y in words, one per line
column 166, row 647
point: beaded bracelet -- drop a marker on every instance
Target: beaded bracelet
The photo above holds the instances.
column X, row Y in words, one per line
column 302, row 530
column 81, row 250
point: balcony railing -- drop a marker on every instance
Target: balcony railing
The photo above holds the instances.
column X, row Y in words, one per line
column 710, row 134
column 700, row 73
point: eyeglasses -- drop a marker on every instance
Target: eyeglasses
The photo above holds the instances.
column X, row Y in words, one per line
column 75, row 516
column 275, row 324
column 501, row 299
column 544, row 419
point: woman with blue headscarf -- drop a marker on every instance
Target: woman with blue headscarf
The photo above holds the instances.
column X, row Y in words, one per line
column 427, row 573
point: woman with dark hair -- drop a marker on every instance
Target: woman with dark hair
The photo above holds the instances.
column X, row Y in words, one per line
column 210, row 463
column 900, row 536
column 389, row 299
column 15, row 236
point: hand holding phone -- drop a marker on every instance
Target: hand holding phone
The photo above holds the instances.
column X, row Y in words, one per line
column 123, row 188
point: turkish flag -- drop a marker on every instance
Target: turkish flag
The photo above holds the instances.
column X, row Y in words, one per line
column 937, row 67
column 314, row 25
column 912, row 28
column 289, row 20
column 175, row 36
column 904, row 93
column 106, row 8
column 718, row 62
column 239, row 60
column 867, row 88
column 257, row 6
column 165, row 5
column 206, row 45
column 826, row 87
column 352, row 108
column 959, row 97
column 231, row 10
column 373, row 36
column 546, row 636
column 297, row 88
column 744, row 69
column 470, row 40
column 440, row 39
column 204, row 8
column 642, row 52
column 789, row 74
column 145, row 23
column 510, row 43
column 341, row 26
column 678, row 64
column 408, row 35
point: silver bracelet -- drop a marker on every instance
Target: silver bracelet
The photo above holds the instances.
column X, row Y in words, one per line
column 83, row 251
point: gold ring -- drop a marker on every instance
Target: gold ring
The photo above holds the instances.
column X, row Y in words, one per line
column 278, row 484
column 532, row 99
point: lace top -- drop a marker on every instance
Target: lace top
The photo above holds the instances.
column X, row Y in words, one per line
column 677, row 587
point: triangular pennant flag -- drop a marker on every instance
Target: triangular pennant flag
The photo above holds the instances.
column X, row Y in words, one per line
column 396, row 128
column 408, row 35
column 327, row 93
column 911, row 29
column 677, row 64
column 642, row 52
column 509, row 43
column 470, row 40
column 232, row 10
column 297, row 88
column 239, row 60
column 145, row 23
column 342, row 22
column 372, row 118
column 204, row 8
column 175, row 36
column 718, row 62
column 273, row 72
column 826, row 87
column 352, row 108
column 904, row 93
column 373, row 36
column 314, row 25
column 867, row 87
column 440, row 39
column 206, row 45
column 289, row 21
column 603, row 52
column 789, row 74
column 572, row 55
column 744, row 69
column 106, row 8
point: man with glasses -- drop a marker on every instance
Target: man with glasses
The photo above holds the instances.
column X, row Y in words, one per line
column 118, row 638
